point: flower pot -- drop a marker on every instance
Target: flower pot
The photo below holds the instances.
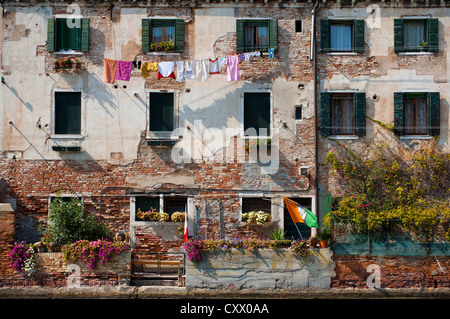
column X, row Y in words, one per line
column 314, row 243
column 323, row 243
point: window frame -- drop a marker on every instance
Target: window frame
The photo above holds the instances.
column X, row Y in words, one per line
column 147, row 34
column 52, row 34
column 248, row 137
column 82, row 110
column 352, row 32
column 164, row 135
column 242, row 197
column 342, row 96
column 272, row 34
column 431, row 35
column 162, row 199
column 357, row 35
column 415, row 96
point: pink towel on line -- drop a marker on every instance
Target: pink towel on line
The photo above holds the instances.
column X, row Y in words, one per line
column 124, row 70
column 233, row 73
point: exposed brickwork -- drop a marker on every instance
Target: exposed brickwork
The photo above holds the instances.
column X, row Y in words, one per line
column 7, row 237
column 396, row 272
column 52, row 271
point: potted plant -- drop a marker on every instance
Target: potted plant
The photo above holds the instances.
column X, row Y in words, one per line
column 259, row 218
column 423, row 46
column 78, row 64
column 40, row 247
column 313, row 241
column 68, row 63
column 324, row 238
column 177, row 217
column 57, row 64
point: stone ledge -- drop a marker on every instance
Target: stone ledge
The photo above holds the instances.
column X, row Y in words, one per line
column 155, row 292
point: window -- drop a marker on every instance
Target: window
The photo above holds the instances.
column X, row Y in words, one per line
column 162, row 30
column 161, row 112
column 254, row 204
column 257, row 114
column 298, row 26
column 342, row 36
column 255, row 34
column 67, row 113
column 158, row 203
column 61, row 36
column 343, row 113
column 414, row 35
column 417, row 113
column 298, row 112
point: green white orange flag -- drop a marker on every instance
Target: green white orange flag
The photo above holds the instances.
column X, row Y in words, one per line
column 300, row 214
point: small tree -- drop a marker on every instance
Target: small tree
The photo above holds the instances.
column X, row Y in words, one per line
column 68, row 222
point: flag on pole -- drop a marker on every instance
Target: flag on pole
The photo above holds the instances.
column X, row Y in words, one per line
column 185, row 227
column 300, row 214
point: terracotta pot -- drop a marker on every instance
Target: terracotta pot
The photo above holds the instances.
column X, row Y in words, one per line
column 323, row 243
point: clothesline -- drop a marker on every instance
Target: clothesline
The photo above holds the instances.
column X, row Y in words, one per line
column 200, row 70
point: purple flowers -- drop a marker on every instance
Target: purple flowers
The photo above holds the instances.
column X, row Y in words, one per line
column 93, row 253
column 21, row 257
column 194, row 249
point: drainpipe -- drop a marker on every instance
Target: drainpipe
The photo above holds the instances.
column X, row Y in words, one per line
column 313, row 57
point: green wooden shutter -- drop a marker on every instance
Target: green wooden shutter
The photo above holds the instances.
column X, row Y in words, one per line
column 433, row 107
column 51, row 35
column 398, row 114
column 325, row 113
column 63, row 35
column 84, row 45
column 161, row 112
column 76, row 37
column 273, row 34
column 359, row 102
column 433, row 35
column 179, row 35
column 398, row 35
column 257, row 112
column 145, row 35
column 358, row 36
column 240, row 35
column 67, row 113
column 325, row 35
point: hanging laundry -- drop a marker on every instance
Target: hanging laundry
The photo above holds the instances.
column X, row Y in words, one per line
column 144, row 70
column 189, row 70
column 214, row 67
column 247, row 57
column 222, row 61
column 241, row 57
column 109, row 71
column 166, row 69
column 180, row 71
column 124, row 70
column 271, row 53
column 233, row 73
column 202, row 70
column 152, row 66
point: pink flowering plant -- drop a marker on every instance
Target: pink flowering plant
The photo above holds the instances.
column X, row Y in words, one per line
column 93, row 253
column 21, row 257
column 194, row 250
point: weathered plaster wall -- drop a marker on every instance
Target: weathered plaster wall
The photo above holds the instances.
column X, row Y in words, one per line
column 262, row 269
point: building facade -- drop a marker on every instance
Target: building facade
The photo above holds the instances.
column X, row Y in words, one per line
column 276, row 84
column 149, row 140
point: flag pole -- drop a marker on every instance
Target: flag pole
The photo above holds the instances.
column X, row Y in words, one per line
column 298, row 231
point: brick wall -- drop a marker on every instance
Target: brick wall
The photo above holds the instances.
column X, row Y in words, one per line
column 7, row 236
column 51, row 271
column 395, row 272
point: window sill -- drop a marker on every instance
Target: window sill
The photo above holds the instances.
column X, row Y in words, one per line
column 343, row 53
column 343, row 137
column 416, row 137
column 69, row 53
column 66, row 137
column 157, row 53
column 414, row 53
